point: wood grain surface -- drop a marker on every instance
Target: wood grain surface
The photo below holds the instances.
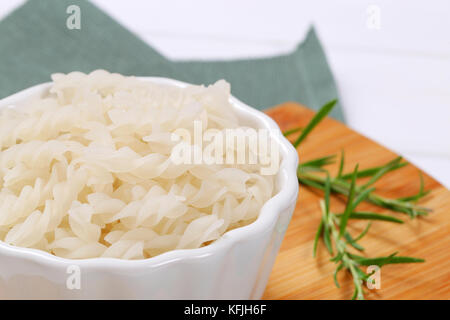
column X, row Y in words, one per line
column 297, row 275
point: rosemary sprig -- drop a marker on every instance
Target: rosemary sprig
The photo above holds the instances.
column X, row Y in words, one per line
column 333, row 227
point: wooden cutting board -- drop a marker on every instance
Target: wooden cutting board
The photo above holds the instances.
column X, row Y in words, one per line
column 297, row 275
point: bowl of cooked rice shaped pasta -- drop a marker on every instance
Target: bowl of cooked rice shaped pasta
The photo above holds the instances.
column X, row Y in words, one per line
column 121, row 187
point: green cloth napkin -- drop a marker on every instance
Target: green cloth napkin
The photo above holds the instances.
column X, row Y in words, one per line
column 35, row 42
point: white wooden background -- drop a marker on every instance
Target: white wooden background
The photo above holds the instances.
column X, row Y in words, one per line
column 391, row 59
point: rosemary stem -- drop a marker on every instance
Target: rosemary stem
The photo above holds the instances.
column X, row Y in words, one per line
column 355, row 276
column 349, row 264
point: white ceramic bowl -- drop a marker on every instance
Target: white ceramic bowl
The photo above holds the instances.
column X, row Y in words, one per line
column 237, row 266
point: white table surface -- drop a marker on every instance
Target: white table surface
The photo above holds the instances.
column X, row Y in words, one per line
column 391, row 59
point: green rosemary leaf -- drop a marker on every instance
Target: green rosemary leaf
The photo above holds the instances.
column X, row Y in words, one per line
column 311, row 183
column 349, row 207
column 316, row 164
column 371, row 171
column 319, row 162
column 341, row 164
column 339, row 268
column 395, row 260
column 356, row 257
column 352, row 242
column 361, row 274
column 381, row 261
column 363, row 233
column 382, row 171
column 324, row 110
column 337, row 257
column 292, row 131
column 372, row 216
column 316, row 238
column 361, row 197
column 422, row 193
column 305, row 169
